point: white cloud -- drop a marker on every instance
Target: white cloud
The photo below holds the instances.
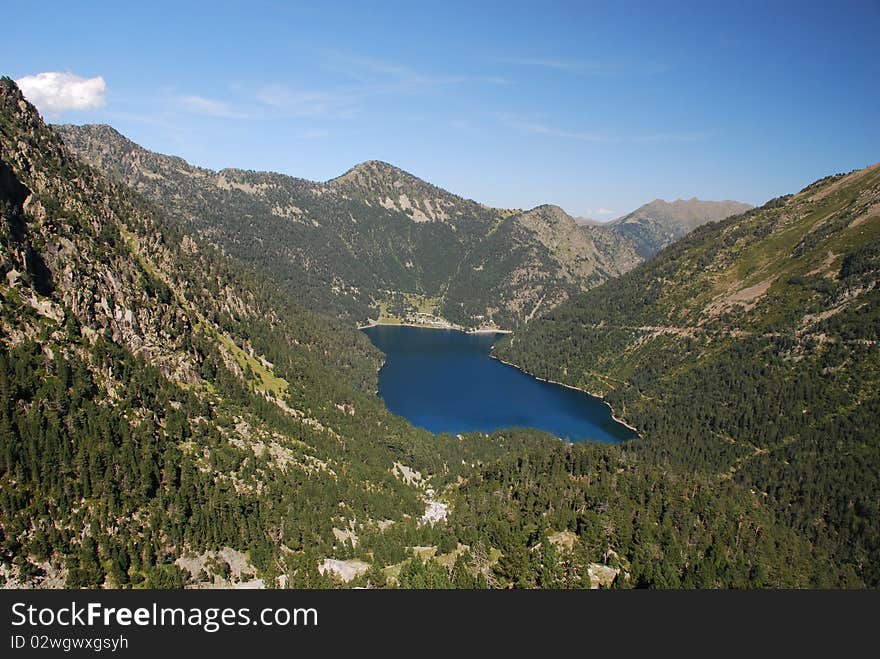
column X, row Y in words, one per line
column 53, row 92
column 605, row 211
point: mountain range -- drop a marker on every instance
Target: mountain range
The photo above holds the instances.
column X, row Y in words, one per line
column 379, row 242
column 185, row 399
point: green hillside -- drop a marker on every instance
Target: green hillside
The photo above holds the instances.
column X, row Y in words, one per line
column 749, row 351
column 171, row 417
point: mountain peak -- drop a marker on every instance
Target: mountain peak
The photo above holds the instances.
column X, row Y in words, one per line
column 549, row 217
column 659, row 223
column 8, row 88
column 379, row 182
column 103, row 133
column 550, row 211
column 371, row 170
column 376, row 165
column 104, row 144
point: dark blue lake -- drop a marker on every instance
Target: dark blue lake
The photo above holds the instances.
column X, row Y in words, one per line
column 445, row 381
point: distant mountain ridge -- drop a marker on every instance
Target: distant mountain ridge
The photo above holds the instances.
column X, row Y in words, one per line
column 374, row 241
column 660, row 223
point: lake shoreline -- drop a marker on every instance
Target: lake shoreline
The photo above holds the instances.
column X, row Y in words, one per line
column 570, row 386
column 450, row 327
column 494, row 398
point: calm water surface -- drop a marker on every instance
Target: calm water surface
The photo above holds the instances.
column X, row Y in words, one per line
column 445, row 381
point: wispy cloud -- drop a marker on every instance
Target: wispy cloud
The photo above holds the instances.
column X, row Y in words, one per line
column 210, row 107
column 353, row 82
column 266, row 103
column 672, row 137
column 54, row 92
column 361, row 79
column 551, row 131
column 375, row 75
column 590, row 67
column 292, row 102
column 275, row 101
column 576, row 66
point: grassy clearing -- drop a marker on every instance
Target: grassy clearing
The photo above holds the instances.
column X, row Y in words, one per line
column 263, row 378
column 415, row 304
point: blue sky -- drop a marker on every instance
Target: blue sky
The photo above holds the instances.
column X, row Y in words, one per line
column 597, row 107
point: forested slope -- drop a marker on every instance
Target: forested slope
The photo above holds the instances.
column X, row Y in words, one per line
column 749, row 350
column 159, row 399
column 170, row 417
column 376, row 239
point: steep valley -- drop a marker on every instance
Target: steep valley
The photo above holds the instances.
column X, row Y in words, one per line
column 185, row 399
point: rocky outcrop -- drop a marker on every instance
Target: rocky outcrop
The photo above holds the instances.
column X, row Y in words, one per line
column 93, row 263
column 343, row 570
